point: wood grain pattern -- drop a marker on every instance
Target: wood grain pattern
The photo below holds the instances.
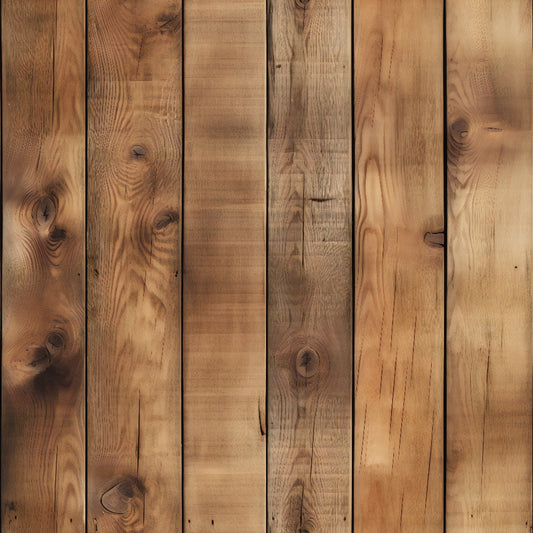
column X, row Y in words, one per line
column 399, row 355
column 134, row 272
column 309, row 267
column 224, row 267
column 43, row 95
column 489, row 463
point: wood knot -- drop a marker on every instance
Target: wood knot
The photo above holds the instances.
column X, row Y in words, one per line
column 57, row 235
column 435, row 239
column 44, row 355
column 122, row 496
column 138, row 151
column 42, row 359
column 45, row 212
column 54, row 343
column 459, row 131
column 307, row 362
column 164, row 218
column 302, row 4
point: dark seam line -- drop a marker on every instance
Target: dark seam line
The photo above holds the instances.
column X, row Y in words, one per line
column 86, row 177
column 352, row 109
column 2, row 242
column 267, row 236
column 181, row 256
column 445, row 266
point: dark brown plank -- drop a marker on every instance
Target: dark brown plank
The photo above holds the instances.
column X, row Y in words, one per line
column 43, row 270
column 224, row 267
column 490, row 357
column 134, row 277
column 399, row 285
column 309, row 267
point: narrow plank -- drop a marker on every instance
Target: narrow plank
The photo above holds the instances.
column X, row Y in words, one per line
column 224, row 266
column 489, row 369
column 310, row 267
column 399, row 332
column 134, row 265
column 43, row 268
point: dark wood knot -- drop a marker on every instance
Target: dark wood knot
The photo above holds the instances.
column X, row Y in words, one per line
column 307, row 362
column 435, row 239
column 302, row 4
column 164, row 218
column 45, row 212
column 120, row 498
column 138, row 151
column 459, row 131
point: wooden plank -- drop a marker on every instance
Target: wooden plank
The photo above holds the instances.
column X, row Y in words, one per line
column 309, row 267
column 43, row 347
column 399, row 354
column 134, row 272
column 224, row 266
column 489, row 368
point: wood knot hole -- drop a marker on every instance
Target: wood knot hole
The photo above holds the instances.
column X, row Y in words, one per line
column 46, row 212
column 54, row 343
column 121, row 496
column 307, row 362
column 435, row 239
column 163, row 219
column 460, row 130
column 138, row 151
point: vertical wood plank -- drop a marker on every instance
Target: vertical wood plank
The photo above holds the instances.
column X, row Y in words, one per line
column 224, row 266
column 489, row 463
column 399, row 356
column 43, row 300
column 310, row 266
column 134, row 258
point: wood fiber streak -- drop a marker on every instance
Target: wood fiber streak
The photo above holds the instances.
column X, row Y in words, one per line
column 224, row 341
column 489, row 365
column 134, row 258
column 309, row 267
column 399, row 275
column 43, row 95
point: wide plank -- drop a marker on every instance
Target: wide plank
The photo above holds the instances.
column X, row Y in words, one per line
column 134, row 265
column 309, row 267
column 399, row 271
column 43, row 266
column 489, row 361
column 224, row 272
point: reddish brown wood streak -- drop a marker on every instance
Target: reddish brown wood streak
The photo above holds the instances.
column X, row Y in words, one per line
column 399, row 197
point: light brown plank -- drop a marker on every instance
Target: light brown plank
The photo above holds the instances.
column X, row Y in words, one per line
column 43, row 95
column 489, row 462
column 310, row 267
column 134, row 258
column 399, row 356
column 224, row 266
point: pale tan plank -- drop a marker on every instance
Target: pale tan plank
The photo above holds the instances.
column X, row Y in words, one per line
column 224, row 267
column 489, row 463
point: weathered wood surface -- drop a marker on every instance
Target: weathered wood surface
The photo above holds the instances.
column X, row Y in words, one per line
column 224, row 266
column 133, row 267
column 309, row 267
column 399, row 274
column 335, row 422
column 43, row 270
column 489, row 364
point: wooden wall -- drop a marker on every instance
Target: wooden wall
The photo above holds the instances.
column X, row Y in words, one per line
column 267, row 266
